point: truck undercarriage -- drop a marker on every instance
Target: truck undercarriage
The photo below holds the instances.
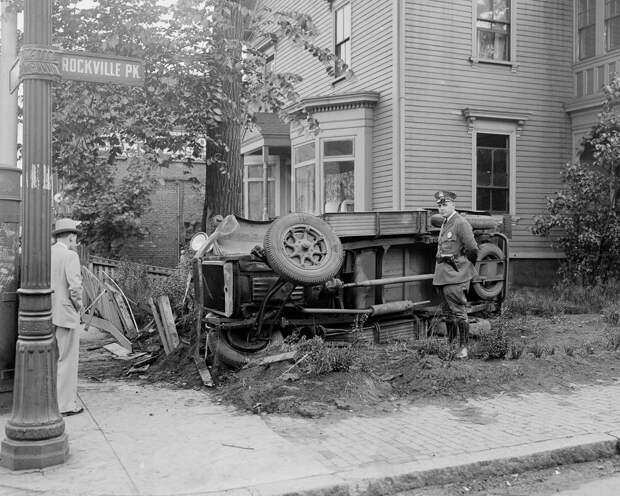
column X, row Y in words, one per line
column 347, row 277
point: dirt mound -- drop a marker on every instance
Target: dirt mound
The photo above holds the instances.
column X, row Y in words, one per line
column 556, row 354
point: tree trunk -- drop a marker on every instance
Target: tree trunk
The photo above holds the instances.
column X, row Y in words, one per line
column 223, row 191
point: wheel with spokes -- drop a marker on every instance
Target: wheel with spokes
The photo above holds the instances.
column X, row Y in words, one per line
column 303, row 249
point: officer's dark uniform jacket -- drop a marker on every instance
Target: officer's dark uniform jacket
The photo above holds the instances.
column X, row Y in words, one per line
column 455, row 238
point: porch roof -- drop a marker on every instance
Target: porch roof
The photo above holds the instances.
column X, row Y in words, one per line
column 269, row 130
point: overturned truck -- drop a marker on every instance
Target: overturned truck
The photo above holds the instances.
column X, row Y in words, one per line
column 347, row 277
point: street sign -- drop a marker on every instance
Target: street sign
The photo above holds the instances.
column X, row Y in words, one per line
column 83, row 66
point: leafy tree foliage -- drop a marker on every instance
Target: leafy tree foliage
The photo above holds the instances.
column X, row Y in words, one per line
column 203, row 83
column 584, row 218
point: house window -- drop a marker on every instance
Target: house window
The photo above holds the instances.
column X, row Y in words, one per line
column 586, row 28
column 304, row 177
column 492, row 172
column 612, row 24
column 338, row 175
column 253, row 187
column 493, row 29
column 343, row 36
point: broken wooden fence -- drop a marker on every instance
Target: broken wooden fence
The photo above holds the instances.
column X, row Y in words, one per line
column 114, row 311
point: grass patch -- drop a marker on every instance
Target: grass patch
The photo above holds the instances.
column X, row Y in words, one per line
column 565, row 298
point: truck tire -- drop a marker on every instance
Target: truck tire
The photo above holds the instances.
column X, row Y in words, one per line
column 488, row 291
column 220, row 343
column 303, row 249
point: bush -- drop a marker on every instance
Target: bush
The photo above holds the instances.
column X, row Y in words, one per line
column 584, row 218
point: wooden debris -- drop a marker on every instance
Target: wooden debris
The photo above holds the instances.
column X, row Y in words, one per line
column 131, row 326
column 107, row 326
column 117, row 349
column 203, row 370
column 279, row 357
column 168, row 321
column 123, row 312
column 145, row 360
column 108, row 302
column 160, row 327
column 136, row 370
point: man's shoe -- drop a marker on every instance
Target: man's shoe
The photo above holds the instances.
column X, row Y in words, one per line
column 462, row 353
column 72, row 412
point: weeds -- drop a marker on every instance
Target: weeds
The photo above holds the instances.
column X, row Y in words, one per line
column 525, row 303
column 493, row 345
column 611, row 314
column 566, row 298
column 537, row 349
column 323, row 358
column 515, row 350
column 613, row 341
column 569, row 350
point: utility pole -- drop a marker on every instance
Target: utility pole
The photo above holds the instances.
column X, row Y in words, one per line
column 35, row 434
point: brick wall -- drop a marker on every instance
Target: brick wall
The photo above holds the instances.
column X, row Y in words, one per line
column 175, row 213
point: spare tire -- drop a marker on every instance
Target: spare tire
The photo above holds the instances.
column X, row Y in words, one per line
column 488, row 290
column 303, row 249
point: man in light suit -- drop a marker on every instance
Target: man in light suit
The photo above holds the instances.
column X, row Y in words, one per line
column 66, row 282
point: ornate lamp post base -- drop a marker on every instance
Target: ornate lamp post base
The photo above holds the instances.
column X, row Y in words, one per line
column 23, row 455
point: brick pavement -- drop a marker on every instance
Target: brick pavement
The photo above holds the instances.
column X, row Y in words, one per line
column 144, row 440
column 416, row 433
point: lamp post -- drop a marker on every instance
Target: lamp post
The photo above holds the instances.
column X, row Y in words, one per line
column 35, row 434
column 10, row 198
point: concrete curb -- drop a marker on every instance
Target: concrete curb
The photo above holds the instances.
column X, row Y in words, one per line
column 393, row 479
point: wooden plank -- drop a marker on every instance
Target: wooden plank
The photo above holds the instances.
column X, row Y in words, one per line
column 117, row 350
column 107, row 326
column 205, row 375
column 168, row 321
column 126, row 319
column 90, row 285
column 126, row 314
column 279, row 357
column 160, row 327
column 108, row 310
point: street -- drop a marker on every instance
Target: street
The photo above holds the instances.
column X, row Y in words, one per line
column 598, row 478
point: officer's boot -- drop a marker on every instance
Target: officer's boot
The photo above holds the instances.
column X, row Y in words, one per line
column 463, row 326
column 451, row 330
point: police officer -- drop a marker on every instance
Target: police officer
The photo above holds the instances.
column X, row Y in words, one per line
column 457, row 252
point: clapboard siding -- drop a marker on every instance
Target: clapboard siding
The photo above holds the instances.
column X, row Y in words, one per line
column 371, row 64
column 441, row 81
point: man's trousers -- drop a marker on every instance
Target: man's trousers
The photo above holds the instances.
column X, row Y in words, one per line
column 68, row 341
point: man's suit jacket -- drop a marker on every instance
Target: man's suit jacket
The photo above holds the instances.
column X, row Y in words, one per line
column 66, row 280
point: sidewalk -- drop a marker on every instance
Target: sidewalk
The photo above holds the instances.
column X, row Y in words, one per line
column 145, row 440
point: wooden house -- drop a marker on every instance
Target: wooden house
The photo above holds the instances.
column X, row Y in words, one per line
column 487, row 98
